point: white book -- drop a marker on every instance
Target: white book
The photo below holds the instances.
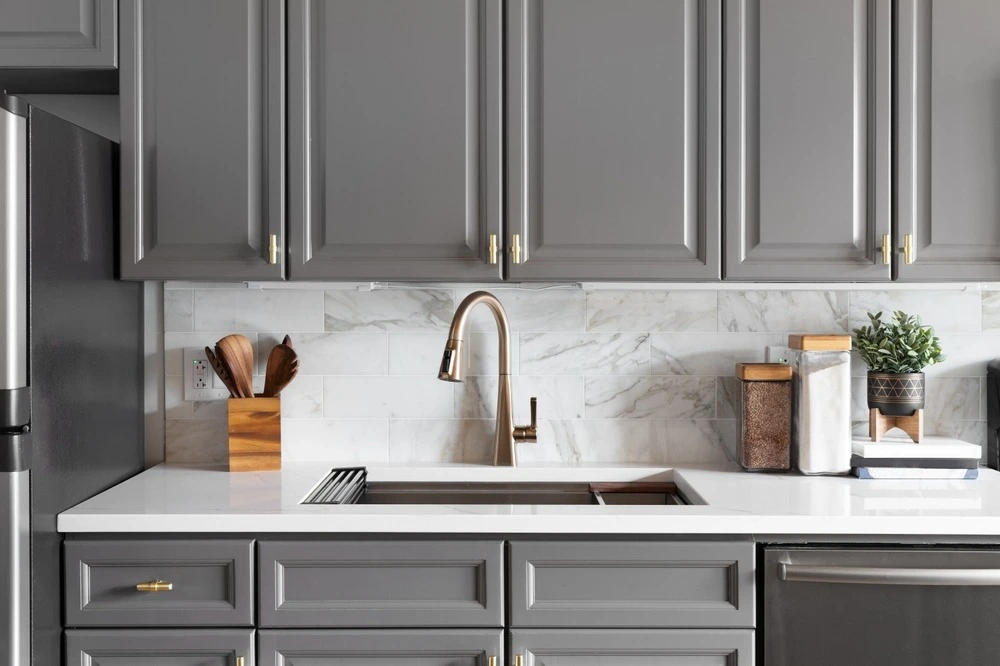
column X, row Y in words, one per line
column 931, row 446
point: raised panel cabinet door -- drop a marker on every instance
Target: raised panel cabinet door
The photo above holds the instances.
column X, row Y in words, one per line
column 203, row 175
column 808, row 141
column 633, row 647
column 394, row 139
column 160, row 647
column 71, row 34
column 613, row 139
column 424, row 647
column 948, row 146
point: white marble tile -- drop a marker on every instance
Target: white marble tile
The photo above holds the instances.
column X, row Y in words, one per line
column 335, row 440
column 174, row 345
column 784, row 311
column 415, row 353
column 482, row 354
column 257, row 310
column 584, row 354
column 975, row 432
column 593, row 441
column 952, row 399
column 991, row 311
column 303, row 398
column 197, row 440
column 652, row 311
column 333, row 353
column 178, row 310
column 946, row 310
column 695, row 441
column 729, row 398
column 389, row 310
column 650, row 397
column 174, row 405
column 441, row 440
column 714, row 354
column 558, row 397
column 559, row 309
column 859, row 399
column 387, row 397
column 210, row 409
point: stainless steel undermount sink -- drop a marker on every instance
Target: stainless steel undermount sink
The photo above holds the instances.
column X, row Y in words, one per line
column 513, row 493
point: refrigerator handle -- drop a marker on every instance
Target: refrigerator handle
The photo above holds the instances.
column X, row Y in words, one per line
column 14, row 395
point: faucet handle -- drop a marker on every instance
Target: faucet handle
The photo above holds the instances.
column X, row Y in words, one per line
column 528, row 433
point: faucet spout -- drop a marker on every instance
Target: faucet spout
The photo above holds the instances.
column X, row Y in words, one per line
column 452, row 370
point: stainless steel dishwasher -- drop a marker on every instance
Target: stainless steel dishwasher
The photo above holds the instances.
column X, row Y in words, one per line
column 886, row 607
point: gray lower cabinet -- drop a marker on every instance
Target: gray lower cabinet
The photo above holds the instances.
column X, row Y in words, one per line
column 631, row 647
column 59, row 34
column 165, row 647
column 613, row 139
column 203, row 139
column 808, row 139
column 394, row 139
column 381, row 647
column 948, row 139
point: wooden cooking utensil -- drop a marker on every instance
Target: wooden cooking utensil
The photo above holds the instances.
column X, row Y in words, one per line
column 221, row 370
column 236, row 352
column 282, row 366
column 287, row 341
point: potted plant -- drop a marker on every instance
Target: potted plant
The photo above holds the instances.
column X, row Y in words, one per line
column 896, row 353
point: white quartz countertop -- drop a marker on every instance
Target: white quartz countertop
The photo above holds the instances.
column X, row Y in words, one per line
column 208, row 499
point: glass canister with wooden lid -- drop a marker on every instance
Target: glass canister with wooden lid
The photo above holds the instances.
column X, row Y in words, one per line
column 766, row 416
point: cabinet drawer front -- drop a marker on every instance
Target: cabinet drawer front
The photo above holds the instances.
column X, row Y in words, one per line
column 634, row 647
column 381, row 584
column 170, row 647
column 632, row 584
column 413, row 647
column 212, row 583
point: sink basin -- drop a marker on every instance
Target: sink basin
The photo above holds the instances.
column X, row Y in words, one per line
column 513, row 493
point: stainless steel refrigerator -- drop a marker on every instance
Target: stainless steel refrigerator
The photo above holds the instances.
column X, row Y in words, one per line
column 70, row 359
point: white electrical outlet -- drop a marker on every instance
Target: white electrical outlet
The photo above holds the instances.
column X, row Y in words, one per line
column 200, row 381
column 777, row 354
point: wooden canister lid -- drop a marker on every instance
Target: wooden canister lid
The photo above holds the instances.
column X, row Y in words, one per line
column 820, row 342
column 764, row 372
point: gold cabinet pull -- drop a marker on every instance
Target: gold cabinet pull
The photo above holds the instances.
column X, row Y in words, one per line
column 491, row 660
column 154, row 586
column 240, row 661
column 518, row 660
column 886, row 249
column 908, row 248
column 515, row 248
column 493, row 249
column 272, row 250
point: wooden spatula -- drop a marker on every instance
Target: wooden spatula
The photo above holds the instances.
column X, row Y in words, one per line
column 222, row 371
column 236, row 353
column 282, row 366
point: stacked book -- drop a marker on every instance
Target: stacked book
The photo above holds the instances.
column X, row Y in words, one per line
column 899, row 458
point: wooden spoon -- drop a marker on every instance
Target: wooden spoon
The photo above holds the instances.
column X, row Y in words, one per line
column 236, row 352
column 287, row 341
column 221, row 370
column 282, row 366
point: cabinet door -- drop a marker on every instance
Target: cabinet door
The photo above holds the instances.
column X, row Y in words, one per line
column 165, row 647
column 202, row 98
column 948, row 148
column 59, row 33
column 381, row 648
column 807, row 139
column 394, row 139
column 633, row 647
column 613, row 141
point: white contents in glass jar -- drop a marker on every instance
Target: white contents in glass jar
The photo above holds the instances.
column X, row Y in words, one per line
column 822, row 421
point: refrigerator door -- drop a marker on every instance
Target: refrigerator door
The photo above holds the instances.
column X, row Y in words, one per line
column 14, row 560
column 14, row 409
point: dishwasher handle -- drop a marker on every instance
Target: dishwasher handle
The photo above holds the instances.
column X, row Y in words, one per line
column 812, row 573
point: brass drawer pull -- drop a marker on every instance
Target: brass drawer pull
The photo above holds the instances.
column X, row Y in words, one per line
column 240, row 661
column 493, row 249
column 518, row 660
column 155, row 586
column 491, row 661
column 886, row 249
column 515, row 248
column 272, row 250
column 908, row 248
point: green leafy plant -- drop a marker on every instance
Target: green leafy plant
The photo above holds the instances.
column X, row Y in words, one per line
column 900, row 346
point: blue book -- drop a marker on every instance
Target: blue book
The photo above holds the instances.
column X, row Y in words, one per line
column 915, row 473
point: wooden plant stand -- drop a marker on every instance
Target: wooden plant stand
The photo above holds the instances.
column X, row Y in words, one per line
column 879, row 424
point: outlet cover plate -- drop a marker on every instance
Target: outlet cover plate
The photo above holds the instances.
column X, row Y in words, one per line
column 196, row 365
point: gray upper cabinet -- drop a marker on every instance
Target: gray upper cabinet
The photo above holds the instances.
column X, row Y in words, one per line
column 71, row 34
column 394, row 139
column 381, row 648
column 174, row 647
column 808, row 141
column 202, row 99
column 629, row 647
column 948, row 145
column 613, row 139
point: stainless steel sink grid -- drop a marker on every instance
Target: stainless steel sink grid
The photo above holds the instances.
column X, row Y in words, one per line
column 340, row 487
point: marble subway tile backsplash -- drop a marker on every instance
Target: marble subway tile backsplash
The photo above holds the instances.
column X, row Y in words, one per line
column 622, row 376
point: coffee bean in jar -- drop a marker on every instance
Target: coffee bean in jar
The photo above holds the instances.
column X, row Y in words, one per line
column 766, row 416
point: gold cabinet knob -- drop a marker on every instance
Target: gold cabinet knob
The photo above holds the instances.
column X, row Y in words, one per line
column 908, row 248
column 493, row 249
column 886, row 249
column 491, row 660
column 515, row 248
column 272, row 249
column 240, row 661
column 154, row 586
column 518, row 660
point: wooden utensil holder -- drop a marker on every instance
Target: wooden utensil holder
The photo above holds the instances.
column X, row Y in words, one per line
column 254, row 434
